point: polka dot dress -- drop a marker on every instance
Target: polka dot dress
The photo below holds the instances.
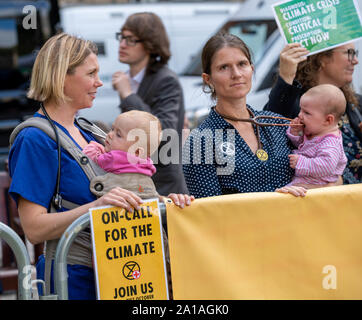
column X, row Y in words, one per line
column 217, row 161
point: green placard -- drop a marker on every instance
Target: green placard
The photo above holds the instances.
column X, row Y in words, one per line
column 319, row 24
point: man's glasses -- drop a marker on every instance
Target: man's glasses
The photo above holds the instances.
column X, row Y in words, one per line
column 130, row 41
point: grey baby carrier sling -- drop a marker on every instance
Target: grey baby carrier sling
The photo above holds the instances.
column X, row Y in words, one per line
column 83, row 240
column 100, row 183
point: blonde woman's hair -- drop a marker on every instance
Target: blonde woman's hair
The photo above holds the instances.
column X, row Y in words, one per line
column 59, row 56
column 331, row 99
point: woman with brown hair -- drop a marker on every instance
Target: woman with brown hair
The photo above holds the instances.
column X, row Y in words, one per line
column 151, row 86
column 299, row 73
column 228, row 153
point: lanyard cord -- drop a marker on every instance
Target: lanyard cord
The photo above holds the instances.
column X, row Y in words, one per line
column 253, row 121
column 260, row 153
column 57, row 198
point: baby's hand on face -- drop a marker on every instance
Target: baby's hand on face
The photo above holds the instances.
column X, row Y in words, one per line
column 293, row 159
column 296, row 127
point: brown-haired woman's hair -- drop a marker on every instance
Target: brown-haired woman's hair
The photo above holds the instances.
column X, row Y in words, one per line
column 307, row 72
column 59, row 56
column 213, row 45
column 148, row 27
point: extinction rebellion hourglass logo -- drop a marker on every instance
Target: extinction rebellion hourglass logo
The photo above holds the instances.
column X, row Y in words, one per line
column 131, row 270
column 129, row 253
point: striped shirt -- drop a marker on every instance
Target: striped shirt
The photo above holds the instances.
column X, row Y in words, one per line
column 321, row 159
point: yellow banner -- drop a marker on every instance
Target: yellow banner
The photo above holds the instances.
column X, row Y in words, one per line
column 128, row 253
column 268, row 246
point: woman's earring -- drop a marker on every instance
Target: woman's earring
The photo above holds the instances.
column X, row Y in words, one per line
column 212, row 88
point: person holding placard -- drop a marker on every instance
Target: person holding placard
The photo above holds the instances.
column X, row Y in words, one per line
column 64, row 80
column 298, row 73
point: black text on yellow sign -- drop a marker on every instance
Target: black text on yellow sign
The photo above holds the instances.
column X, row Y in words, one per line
column 128, row 253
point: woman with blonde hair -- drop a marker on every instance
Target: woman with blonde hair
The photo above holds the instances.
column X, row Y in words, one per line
column 64, row 80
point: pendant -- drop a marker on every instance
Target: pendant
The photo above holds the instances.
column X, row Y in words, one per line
column 261, row 154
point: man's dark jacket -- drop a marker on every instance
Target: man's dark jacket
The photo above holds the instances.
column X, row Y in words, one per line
column 160, row 93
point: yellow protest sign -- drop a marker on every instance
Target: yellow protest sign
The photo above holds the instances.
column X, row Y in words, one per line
column 268, row 246
column 129, row 253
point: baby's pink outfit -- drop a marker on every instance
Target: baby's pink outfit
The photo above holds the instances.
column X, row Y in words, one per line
column 117, row 161
column 321, row 159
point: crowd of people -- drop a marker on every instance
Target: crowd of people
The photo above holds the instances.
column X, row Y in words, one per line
column 237, row 149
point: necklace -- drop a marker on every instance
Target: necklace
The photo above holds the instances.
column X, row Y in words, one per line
column 261, row 154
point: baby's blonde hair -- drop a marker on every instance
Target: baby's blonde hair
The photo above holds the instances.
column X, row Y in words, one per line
column 142, row 120
column 332, row 99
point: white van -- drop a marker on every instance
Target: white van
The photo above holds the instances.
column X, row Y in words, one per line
column 255, row 24
column 252, row 20
column 188, row 26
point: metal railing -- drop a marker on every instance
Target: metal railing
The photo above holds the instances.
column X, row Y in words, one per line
column 22, row 259
column 60, row 261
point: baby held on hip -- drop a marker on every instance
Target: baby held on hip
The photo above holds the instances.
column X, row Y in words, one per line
column 319, row 158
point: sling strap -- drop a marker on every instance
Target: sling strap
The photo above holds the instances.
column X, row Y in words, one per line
column 87, row 165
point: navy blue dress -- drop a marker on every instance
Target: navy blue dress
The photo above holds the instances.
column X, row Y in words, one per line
column 217, row 161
